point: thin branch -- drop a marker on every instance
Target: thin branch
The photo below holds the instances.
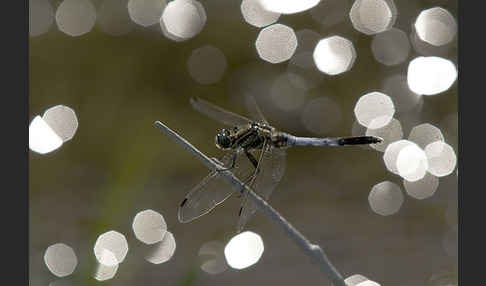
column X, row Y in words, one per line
column 313, row 250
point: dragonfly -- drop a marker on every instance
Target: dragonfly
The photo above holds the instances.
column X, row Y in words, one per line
column 255, row 153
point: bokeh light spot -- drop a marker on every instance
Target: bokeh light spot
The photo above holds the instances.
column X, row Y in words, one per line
column 62, row 120
column 391, row 47
column 373, row 16
column 149, row 226
column 288, row 6
column 368, row 283
column 374, row 107
column 244, row 250
column 424, row 134
column 284, row 95
column 184, row 18
column 105, row 272
column 426, row 49
column 334, row 55
column 359, row 280
column 146, row 12
column 423, row 188
column 441, row 157
column 60, row 259
column 276, row 43
column 212, row 254
column 389, row 133
column 385, row 198
column 42, row 139
column 41, row 17
column 355, row 279
column 430, row 75
column 114, row 242
column 254, row 13
column 412, row 163
column 201, row 11
column 76, row 17
column 163, row 251
column 167, row 34
column 391, row 154
column 436, row 26
column 108, row 258
column 207, row 64
column 321, row 115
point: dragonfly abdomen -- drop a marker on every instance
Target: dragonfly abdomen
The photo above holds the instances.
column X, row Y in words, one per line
column 280, row 139
column 340, row 141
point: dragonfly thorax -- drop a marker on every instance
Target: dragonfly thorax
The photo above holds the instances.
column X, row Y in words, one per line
column 246, row 137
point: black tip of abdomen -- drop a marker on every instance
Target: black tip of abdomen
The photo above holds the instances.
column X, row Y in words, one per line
column 183, row 202
column 360, row 140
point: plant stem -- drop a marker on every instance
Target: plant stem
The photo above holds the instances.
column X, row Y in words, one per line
column 313, row 250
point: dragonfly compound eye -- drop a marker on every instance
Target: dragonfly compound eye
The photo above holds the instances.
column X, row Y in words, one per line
column 222, row 141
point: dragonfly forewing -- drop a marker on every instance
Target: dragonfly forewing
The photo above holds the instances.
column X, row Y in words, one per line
column 255, row 110
column 217, row 113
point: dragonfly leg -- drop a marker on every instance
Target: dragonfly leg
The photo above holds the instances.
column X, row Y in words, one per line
column 252, row 159
column 256, row 164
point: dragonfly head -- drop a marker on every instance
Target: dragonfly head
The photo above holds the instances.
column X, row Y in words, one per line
column 223, row 139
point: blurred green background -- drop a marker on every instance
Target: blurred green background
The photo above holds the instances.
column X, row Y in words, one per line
column 118, row 163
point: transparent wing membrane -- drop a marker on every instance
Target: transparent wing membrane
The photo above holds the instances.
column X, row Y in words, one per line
column 206, row 195
column 217, row 113
column 203, row 198
column 272, row 168
column 254, row 109
column 212, row 190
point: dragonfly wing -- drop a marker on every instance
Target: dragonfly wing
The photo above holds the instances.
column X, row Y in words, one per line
column 272, row 168
column 276, row 163
column 212, row 190
column 206, row 195
column 254, row 109
column 217, row 113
